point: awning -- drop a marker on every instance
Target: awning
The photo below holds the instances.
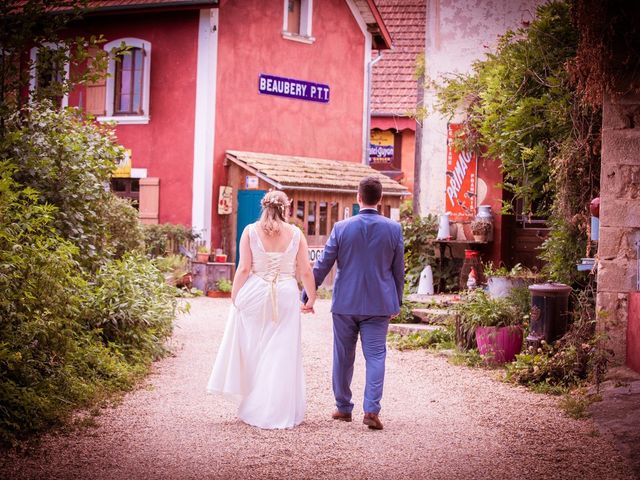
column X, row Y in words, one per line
column 289, row 172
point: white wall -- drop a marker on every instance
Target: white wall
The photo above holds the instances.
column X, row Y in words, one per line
column 458, row 32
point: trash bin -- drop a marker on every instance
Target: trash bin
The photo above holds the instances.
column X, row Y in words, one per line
column 549, row 312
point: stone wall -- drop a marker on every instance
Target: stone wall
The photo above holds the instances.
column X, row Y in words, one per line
column 619, row 217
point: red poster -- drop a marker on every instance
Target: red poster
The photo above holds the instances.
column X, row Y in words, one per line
column 462, row 168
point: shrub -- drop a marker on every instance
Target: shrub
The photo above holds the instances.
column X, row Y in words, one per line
column 479, row 310
column 124, row 230
column 419, row 247
column 438, row 339
column 132, row 306
column 67, row 161
column 49, row 361
column 159, row 238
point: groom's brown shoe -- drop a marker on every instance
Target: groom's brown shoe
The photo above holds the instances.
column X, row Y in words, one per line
column 372, row 421
column 338, row 415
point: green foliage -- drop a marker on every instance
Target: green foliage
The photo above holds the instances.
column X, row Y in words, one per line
column 224, row 285
column 31, row 23
column 523, row 110
column 479, row 310
column 80, row 316
column 164, row 239
column 440, row 339
column 68, row 161
column 518, row 102
column 561, row 250
column 419, row 247
column 132, row 306
column 406, row 312
column 123, row 228
column 49, row 361
column 575, row 358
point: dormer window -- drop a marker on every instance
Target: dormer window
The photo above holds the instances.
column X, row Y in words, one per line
column 297, row 20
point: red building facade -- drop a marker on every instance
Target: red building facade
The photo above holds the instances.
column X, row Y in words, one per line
column 189, row 90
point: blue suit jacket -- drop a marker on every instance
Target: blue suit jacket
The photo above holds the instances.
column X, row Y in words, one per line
column 369, row 250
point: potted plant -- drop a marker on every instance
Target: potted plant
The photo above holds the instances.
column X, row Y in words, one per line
column 223, row 289
column 495, row 324
column 480, row 229
column 502, row 280
column 203, row 254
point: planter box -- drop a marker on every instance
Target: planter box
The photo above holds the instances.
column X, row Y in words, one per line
column 218, row 294
column 499, row 344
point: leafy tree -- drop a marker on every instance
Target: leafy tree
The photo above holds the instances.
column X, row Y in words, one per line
column 523, row 110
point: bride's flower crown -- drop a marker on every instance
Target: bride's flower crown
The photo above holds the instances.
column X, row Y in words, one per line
column 273, row 201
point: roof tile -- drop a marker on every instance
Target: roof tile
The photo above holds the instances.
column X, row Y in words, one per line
column 293, row 171
column 394, row 86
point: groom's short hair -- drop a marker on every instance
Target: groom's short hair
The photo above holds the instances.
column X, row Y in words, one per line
column 370, row 190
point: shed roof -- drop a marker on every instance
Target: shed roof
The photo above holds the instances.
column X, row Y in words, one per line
column 289, row 172
column 394, row 86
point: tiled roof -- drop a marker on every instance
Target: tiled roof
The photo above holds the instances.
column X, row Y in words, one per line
column 115, row 5
column 288, row 171
column 394, row 87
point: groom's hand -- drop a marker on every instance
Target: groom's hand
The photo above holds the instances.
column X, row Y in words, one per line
column 304, row 308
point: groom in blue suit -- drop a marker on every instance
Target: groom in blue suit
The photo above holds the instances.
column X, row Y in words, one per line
column 369, row 251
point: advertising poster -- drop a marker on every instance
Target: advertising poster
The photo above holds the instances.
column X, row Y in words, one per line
column 462, row 172
column 381, row 149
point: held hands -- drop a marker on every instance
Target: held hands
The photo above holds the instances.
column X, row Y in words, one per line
column 307, row 307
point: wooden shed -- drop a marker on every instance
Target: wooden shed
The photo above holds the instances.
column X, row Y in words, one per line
column 323, row 192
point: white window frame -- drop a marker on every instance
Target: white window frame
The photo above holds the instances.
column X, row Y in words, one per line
column 111, row 83
column 33, row 77
column 306, row 16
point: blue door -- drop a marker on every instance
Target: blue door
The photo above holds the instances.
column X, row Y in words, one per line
column 249, row 210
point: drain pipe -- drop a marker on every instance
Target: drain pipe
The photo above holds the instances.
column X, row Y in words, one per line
column 365, row 154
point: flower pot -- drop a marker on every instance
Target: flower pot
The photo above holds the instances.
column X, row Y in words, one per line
column 499, row 344
column 202, row 257
column 479, row 238
column 500, row 286
column 218, row 294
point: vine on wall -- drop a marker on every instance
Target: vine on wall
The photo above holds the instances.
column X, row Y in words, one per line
column 522, row 109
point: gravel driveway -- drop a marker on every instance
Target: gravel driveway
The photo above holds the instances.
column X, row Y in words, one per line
column 441, row 421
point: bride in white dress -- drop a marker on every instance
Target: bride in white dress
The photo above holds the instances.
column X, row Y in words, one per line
column 260, row 358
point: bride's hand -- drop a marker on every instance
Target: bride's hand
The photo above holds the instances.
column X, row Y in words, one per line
column 307, row 308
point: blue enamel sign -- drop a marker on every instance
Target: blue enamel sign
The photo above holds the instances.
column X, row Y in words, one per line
column 288, row 87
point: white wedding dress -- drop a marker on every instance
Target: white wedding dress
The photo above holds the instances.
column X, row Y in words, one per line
column 260, row 359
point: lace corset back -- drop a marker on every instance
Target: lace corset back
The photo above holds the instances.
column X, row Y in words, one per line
column 273, row 265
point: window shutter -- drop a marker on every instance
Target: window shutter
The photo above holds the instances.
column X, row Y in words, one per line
column 96, row 97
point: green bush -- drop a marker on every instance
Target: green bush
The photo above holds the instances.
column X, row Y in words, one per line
column 49, row 361
column 75, row 322
column 432, row 339
column 479, row 310
column 158, row 238
column 123, row 228
column 132, row 306
column 67, row 161
column 419, row 247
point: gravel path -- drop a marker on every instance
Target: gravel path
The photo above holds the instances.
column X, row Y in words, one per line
column 441, row 422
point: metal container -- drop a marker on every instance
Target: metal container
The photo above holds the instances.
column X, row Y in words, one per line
column 549, row 312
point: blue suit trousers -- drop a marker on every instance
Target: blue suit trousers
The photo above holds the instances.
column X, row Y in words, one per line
column 373, row 335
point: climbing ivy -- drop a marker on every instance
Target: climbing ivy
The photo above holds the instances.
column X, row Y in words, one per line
column 523, row 110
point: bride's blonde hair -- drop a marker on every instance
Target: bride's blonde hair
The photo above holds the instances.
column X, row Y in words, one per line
column 275, row 207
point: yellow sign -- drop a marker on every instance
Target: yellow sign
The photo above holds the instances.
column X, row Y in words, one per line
column 123, row 170
column 381, row 147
